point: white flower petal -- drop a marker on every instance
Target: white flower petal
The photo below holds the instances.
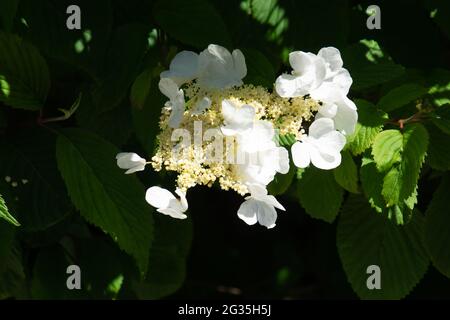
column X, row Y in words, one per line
column 219, row 69
column 239, row 64
column 130, row 161
column 320, row 127
column 140, row 167
column 332, row 142
column 346, row 116
column 332, row 57
column 301, row 154
column 172, row 213
column 301, row 62
column 247, row 212
column 183, row 200
column 183, row 68
column 343, row 80
column 158, row 197
column 266, row 214
column 176, row 116
column 272, row 201
column 328, row 110
column 290, row 86
column 168, row 88
column 283, row 160
column 252, row 211
column 257, row 190
column 325, row 161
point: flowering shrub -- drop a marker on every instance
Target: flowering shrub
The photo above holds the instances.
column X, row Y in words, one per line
column 122, row 130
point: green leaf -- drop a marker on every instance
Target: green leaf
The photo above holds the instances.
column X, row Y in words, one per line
column 401, row 181
column 366, row 73
column 84, row 49
column 372, row 184
column 141, row 88
column 114, row 125
column 439, row 86
column 167, row 262
column 3, row 120
column 370, row 123
column 281, row 183
column 202, row 24
column 146, row 120
column 319, row 194
column 102, row 265
column 7, row 233
column 437, row 227
column 442, row 8
column 365, row 238
column 347, row 174
column 387, row 148
column 8, row 9
column 49, row 276
column 12, row 279
column 24, row 75
column 259, row 70
column 401, row 96
column 441, row 118
column 438, row 156
column 104, row 195
column 4, row 213
column 122, row 65
column 28, row 161
column 270, row 12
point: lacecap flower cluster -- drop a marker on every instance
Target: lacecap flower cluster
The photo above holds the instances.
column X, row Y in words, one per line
column 216, row 130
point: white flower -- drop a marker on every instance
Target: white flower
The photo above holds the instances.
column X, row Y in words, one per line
column 259, row 158
column 218, row 68
column 259, row 207
column 130, row 161
column 183, row 68
column 311, row 71
column 236, row 120
column 308, row 73
column 321, row 147
column 176, row 101
column 166, row 203
column 338, row 107
column 260, row 167
column 259, row 137
column 214, row 68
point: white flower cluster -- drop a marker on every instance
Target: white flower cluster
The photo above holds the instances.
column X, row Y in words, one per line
column 324, row 79
column 320, row 76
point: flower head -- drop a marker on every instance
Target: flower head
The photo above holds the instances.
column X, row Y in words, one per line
column 235, row 127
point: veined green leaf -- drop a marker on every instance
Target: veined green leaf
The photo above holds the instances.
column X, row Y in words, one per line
column 104, row 195
column 437, row 227
column 319, row 194
column 365, row 239
column 401, row 96
column 24, row 75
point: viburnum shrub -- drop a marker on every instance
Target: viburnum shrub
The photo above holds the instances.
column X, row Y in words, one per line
column 140, row 138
